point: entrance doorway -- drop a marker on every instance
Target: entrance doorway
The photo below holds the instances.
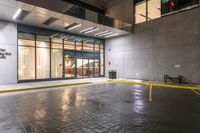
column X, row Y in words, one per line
column 69, row 62
column 87, row 68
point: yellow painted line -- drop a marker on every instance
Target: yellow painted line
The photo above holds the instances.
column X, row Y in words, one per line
column 43, row 87
column 150, row 93
column 157, row 85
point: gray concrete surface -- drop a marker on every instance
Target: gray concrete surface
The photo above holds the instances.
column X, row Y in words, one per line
column 105, row 108
column 168, row 45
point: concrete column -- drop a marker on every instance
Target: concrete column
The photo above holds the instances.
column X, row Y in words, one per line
column 8, row 52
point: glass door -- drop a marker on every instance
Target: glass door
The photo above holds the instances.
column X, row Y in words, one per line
column 79, row 69
column 96, row 73
column 85, row 68
column 91, row 68
column 69, row 66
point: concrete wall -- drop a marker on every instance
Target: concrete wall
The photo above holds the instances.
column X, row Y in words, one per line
column 120, row 9
column 168, row 45
column 8, row 42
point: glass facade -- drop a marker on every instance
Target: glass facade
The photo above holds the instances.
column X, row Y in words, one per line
column 170, row 6
column 146, row 10
column 42, row 57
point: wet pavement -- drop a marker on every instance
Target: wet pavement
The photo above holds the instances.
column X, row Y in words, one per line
column 105, row 108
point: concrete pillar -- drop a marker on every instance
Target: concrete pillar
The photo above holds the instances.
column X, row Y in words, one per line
column 8, row 52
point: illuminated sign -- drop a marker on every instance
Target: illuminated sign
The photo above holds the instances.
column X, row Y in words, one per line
column 4, row 53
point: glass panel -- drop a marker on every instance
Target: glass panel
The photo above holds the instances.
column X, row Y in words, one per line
column 42, row 44
column 140, row 12
column 85, row 68
column 26, row 63
column 79, row 68
column 57, row 45
column 69, row 45
column 96, row 68
column 56, row 40
column 69, row 66
column 26, row 42
column 102, row 64
column 91, row 68
column 88, row 47
column 102, row 59
column 43, row 38
column 26, row 36
column 56, row 63
column 97, row 48
column 78, row 46
column 169, row 6
column 43, row 63
column 154, row 9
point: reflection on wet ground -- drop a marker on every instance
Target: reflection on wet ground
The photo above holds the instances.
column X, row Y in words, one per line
column 105, row 108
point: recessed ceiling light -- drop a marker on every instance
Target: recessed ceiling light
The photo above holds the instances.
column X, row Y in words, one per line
column 108, row 33
column 103, row 32
column 91, row 30
column 17, row 13
column 112, row 35
column 86, row 29
column 75, row 26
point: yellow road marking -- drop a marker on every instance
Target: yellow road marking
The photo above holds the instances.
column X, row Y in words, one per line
column 43, row 87
column 157, row 85
column 150, row 93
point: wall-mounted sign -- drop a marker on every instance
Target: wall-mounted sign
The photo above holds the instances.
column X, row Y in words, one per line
column 4, row 53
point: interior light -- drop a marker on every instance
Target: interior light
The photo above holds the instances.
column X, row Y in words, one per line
column 73, row 27
column 116, row 34
column 92, row 30
column 17, row 13
column 86, row 29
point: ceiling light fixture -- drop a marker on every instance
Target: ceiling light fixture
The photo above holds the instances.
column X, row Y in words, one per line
column 112, row 35
column 86, row 29
column 73, row 27
column 17, row 13
column 108, row 33
column 90, row 31
column 103, row 32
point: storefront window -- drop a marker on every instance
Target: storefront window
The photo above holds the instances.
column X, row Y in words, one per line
column 26, row 62
column 69, row 45
column 170, row 6
column 89, row 47
column 154, row 9
column 102, row 59
column 26, row 57
column 56, row 63
column 78, row 46
column 43, row 57
column 97, row 48
column 43, row 63
column 140, row 11
column 146, row 10
column 56, row 58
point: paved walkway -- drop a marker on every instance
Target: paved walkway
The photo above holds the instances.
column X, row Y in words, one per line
column 50, row 83
column 102, row 108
